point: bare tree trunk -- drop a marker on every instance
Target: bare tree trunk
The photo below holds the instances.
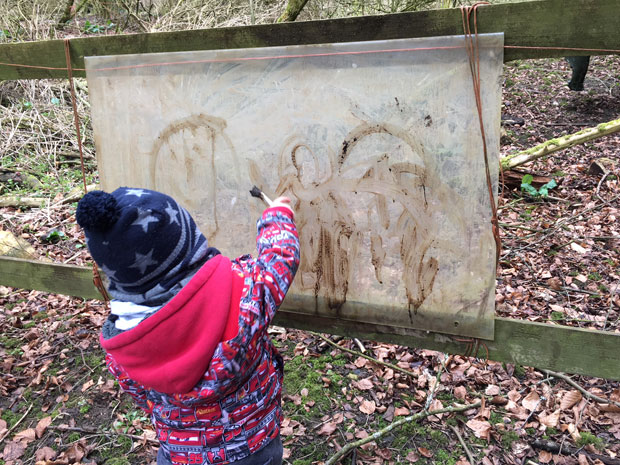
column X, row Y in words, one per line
column 293, row 8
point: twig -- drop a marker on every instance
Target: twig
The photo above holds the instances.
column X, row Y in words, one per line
column 598, row 399
column 542, row 398
column 382, row 432
column 435, row 387
column 103, row 433
column 579, row 291
column 598, row 186
column 556, row 448
column 611, row 306
column 360, row 345
column 5, row 435
column 136, row 18
column 470, row 457
column 367, row 357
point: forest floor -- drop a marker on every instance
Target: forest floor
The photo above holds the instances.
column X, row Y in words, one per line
column 559, row 265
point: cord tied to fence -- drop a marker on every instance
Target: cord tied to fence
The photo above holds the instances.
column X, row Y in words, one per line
column 97, row 281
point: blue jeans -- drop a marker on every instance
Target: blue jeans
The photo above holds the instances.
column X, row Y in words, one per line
column 270, row 455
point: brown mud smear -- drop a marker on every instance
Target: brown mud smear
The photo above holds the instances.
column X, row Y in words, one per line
column 330, row 236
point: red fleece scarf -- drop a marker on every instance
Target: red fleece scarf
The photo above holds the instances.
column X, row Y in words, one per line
column 171, row 350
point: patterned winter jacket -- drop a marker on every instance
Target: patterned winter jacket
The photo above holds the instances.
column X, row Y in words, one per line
column 203, row 367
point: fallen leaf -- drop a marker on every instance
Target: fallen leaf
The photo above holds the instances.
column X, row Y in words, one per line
column 544, row 456
column 460, row 392
column 531, row 401
column 45, row 453
column 75, row 452
column 412, row 456
column 389, row 414
column 363, row 384
column 481, row 428
column 425, row 452
column 385, row 454
column 87, row 385
column 42, row 426
column 492, row 390
column 13, row 450
column 550, row 420
column 577, row 248
column 401, row 412
column 569, row 399
column 368, row 407
column 26, row 435
column 328, row 428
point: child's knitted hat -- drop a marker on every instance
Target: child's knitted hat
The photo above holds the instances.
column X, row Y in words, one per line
column 142, row 240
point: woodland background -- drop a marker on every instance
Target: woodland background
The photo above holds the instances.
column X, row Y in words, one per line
column 559, row 265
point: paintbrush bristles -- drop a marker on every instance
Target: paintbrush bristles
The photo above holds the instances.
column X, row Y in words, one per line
column 255, row 192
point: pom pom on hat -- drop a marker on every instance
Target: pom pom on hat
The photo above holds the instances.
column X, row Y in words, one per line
column 143, row 240
column 97, row 211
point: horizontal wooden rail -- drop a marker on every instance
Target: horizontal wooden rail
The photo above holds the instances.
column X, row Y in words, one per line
column 544, row 25
column 558, row 348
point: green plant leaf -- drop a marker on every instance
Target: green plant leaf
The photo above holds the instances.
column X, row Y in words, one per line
column 527, row 179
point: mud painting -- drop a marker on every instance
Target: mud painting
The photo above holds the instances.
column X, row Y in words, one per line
column 332, row 229
column 378, row 151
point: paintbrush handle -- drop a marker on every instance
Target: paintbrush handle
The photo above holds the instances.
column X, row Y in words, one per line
column 266, row 199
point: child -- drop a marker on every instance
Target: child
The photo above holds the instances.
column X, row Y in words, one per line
column 187, row 334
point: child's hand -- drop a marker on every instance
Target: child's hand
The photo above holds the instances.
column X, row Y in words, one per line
column 282, row 202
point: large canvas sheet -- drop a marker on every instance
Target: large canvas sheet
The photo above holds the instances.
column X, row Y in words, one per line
column 377, row 143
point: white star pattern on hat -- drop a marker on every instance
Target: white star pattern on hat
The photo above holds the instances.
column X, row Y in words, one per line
column 144, row 219
column 111, row 274
column 144, row 261
column 172, row 213
column 136, row 192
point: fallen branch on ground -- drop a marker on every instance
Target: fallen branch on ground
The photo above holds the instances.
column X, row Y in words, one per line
column 368, row 357
column 470, row 457
column 556, row 448
column 382, row 432
column 10, row 430
column 554, row 145
column 17, row 201
column 598, row 399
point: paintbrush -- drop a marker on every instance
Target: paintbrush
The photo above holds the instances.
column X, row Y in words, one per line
column 256, row 192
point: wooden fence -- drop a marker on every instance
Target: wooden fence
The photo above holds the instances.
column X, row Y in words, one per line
column 550, row 28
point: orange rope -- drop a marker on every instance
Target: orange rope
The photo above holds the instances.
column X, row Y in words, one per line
column 471, row 45
column 97, row 281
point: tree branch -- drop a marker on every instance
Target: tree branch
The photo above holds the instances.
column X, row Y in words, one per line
column 368, row 357
column 293, row 8
column 554, row 145
column 598, row 399
column 382, row 432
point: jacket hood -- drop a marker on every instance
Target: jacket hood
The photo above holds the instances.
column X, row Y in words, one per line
column 171, row 350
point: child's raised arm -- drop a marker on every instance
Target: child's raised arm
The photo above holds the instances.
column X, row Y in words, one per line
column 278, row 252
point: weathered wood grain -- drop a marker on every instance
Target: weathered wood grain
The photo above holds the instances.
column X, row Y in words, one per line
column 554, row 347
column 49, row 277
column 590, row 24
